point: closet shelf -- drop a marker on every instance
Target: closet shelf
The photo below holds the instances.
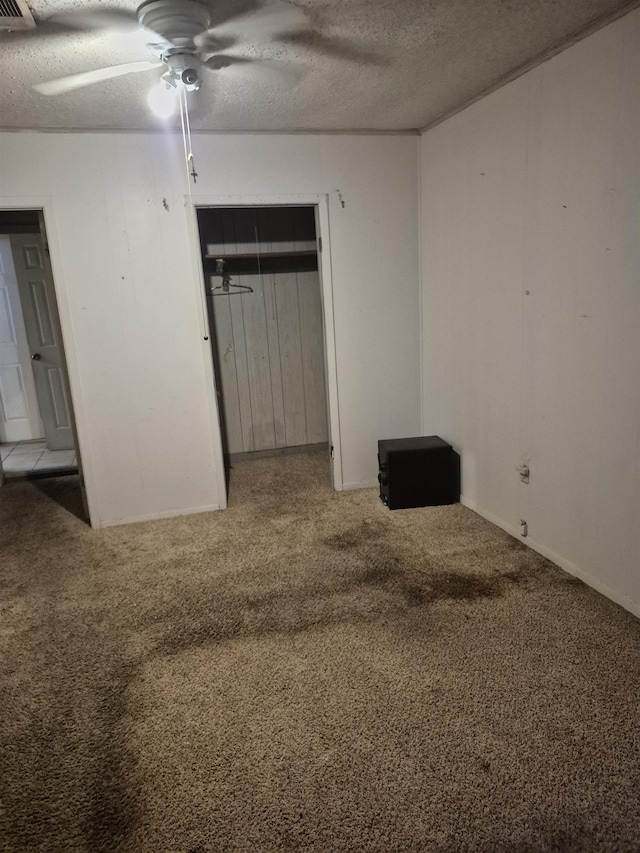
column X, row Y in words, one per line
column 256, row 255
column 255, row 263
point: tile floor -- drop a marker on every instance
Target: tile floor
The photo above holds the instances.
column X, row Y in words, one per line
column 27, row 457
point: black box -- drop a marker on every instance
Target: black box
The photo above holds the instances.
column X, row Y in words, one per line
column 418, row 472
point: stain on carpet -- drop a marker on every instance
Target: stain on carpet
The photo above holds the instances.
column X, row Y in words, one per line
column 305, row 670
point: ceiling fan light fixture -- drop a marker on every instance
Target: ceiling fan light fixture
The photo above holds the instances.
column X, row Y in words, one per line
column 163, row 99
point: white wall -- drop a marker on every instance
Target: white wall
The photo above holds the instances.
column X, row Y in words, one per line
column 128, row 286
column 537, row 188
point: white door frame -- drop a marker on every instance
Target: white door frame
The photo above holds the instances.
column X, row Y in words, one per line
column 47, row 206
column 320, row 201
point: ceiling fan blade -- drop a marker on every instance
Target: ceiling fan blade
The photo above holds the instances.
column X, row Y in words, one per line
column 222, row 60
column 88, row 78
column 255, row 65
column 95, row 18
column 210, row 42
column 335, row 48
column 89, row 20
column 255, row 26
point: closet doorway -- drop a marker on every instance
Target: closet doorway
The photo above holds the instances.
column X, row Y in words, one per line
column 265, row 310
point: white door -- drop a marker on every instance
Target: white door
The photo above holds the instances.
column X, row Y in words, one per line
column 39, row 310
column 19, row 411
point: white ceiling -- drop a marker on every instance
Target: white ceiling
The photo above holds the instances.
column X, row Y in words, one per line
column 382, row 65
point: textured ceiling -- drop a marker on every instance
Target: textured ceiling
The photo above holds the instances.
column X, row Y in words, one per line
column 385, row 65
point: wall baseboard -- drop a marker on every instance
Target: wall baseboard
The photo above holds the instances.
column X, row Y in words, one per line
column 566, row 565
column 365, row 484
column 595, row 583
column 494, row 519
column 155, row 516
column 323, row 447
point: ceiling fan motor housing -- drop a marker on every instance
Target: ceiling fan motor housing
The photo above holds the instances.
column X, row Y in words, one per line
column 181, row 70
column 177, row 21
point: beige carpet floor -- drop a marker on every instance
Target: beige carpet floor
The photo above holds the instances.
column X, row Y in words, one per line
column 306, row 671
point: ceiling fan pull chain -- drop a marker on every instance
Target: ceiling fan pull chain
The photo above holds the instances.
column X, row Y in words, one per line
column 186, row 133
column 193, row 172
column 190, row 161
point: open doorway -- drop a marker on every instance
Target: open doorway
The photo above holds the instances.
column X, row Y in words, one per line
column 265, row 306
column 37, row 429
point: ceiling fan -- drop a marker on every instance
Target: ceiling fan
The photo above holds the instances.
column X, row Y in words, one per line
column 179, row 36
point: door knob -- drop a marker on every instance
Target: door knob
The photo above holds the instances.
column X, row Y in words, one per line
column 36, row 356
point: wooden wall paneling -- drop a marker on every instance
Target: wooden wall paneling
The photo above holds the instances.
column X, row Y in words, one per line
column 227, row 371
column 304, row 229
column 286, row 287
column 269, row 342
column 263, row 226
column 281, row 229
column 312, row 340
column 258, row 365
column 245, row 230
column 228, row 229
column 271, row 315
column 242, row 369
column 378, row 174
column 213, row 224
